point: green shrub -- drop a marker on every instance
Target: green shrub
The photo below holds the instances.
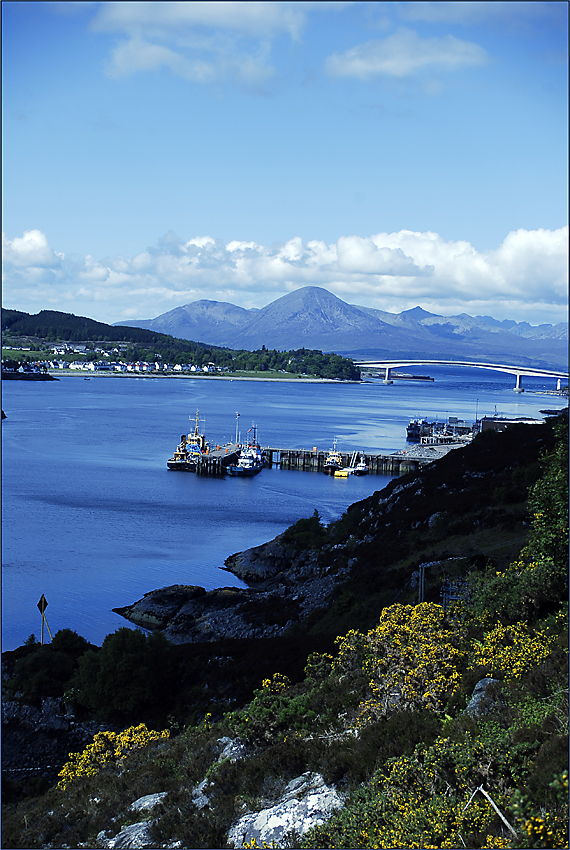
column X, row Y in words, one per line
column 306, row 533
column 47, row 670
column 128, row 677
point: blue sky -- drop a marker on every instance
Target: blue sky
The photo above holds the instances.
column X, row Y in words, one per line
column 394, row 153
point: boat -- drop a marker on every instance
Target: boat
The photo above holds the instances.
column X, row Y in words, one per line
column 357, row 466
column 419, row 428
column 190, row 450
column 333, row 461
column 250, row 460
column 422, row 430
column 360, row 468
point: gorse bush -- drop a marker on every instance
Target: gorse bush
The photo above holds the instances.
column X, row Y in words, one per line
column 412, row 658
column 108, row 748
column 510, row 651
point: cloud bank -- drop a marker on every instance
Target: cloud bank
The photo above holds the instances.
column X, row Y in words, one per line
column 524, row 279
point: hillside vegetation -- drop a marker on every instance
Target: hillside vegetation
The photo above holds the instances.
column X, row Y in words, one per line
column 371, row 693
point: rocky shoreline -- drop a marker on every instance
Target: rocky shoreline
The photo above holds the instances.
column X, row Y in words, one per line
column 285, row 586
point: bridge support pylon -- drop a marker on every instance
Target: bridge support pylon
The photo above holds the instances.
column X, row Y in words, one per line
column 519, row 387
column 387, row 379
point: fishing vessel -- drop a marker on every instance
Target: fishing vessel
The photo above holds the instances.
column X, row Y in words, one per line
column 194, row 453
column 357, row 466
column 422, row 430
column 190, row 450
column 250, row 460
column 419, row 428
column 361, row 467
column 333, row 461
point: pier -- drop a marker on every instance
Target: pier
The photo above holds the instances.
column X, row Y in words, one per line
column 313, row 460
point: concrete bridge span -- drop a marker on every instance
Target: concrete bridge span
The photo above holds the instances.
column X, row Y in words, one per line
column 518, row 371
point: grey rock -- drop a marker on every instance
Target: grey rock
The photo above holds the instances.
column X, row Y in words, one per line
column 200, row 799
column 480, row 703
column 149, row 801
column 133, row 837
column 306, row 802
column 233, row 749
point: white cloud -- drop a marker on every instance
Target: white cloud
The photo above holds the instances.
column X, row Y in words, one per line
column 29, row 251
column 139, row 55
column 524, row 278
column 169, row 18
column 202, row 42
column 404, row 53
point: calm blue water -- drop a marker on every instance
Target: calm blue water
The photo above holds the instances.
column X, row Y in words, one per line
column 93, row 519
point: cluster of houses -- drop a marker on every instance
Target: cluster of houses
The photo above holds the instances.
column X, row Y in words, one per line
column 106, row 366
column 139, row 366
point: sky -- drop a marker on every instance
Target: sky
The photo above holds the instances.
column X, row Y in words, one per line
column 395, row 153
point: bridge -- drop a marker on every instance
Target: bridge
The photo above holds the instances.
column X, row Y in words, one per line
column 519, row 371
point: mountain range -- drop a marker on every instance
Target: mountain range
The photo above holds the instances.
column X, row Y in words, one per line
column 314, row 318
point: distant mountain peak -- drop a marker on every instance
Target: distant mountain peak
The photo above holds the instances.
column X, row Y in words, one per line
column 312, row 317
column 417, row 313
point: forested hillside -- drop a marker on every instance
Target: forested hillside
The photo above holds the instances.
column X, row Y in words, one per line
column 137, row 344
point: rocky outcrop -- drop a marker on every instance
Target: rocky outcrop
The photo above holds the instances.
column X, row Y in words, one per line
column 37, row 741
column 287, row 585
column 232, row 749
column 136, row 836
column 306, row 802
column 268, row 561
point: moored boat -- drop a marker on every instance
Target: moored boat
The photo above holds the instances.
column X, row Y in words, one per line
column 361, row 467
column 250, row 460
column 190, row 450
column 333, row 461
column 419, row 428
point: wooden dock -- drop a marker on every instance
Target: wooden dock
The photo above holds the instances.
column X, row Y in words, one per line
column 313, row 460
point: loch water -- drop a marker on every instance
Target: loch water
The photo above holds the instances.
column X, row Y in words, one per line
column 93, row 519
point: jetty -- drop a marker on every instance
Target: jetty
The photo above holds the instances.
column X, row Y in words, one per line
column 313, row 460
column 410, row 459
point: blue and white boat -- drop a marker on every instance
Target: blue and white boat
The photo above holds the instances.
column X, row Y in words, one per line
column 250, row 460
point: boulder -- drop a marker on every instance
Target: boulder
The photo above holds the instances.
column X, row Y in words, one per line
column 260, row 562
column 132, row 837
column 480, row 702
column 232, row 749
column 306, row 802
column 149, row 801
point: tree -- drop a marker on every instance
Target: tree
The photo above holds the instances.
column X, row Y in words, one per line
column 131, row 674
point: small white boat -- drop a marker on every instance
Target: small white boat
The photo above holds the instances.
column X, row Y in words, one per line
column 360, row 468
